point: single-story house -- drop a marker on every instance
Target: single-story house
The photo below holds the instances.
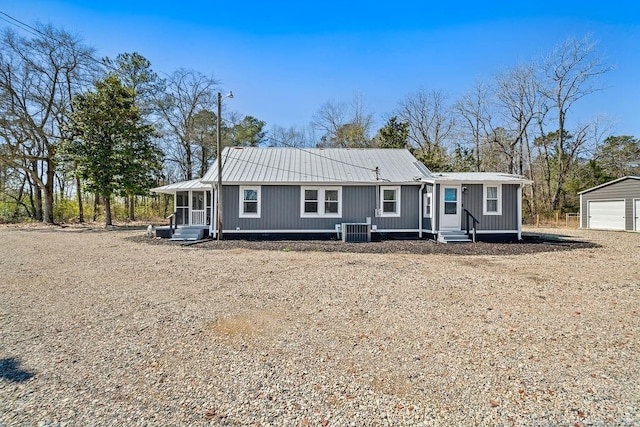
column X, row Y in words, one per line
column 315, row 191
column 614, row 205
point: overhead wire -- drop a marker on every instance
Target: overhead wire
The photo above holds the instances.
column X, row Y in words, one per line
column 236, row 158
column 36, row 32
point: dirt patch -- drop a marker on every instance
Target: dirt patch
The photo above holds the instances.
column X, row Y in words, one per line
column 252, row 323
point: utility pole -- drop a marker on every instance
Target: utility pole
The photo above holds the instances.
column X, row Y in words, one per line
column 219, row 160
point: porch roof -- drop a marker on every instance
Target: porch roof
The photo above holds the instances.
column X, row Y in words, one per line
column 480, row 177
column 194, row 184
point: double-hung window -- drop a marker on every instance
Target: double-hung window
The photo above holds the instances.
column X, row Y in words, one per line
column 249, row 202
column 428, row 197
column 492, row 200
column 390, row 201
column 321, row 202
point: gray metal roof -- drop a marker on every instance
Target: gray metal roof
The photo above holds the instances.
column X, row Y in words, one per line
column 317, row 165
column 194, row 184
column 609, row 183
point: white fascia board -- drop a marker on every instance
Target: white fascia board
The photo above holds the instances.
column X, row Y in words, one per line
column 321, row 183
column 483, row 181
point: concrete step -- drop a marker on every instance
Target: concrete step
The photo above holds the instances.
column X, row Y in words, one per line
column 182, row 234
column 453, row 237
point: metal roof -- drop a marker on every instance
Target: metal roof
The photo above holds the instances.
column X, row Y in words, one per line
column 317, row 165
column 609, row 183
column 480, row 177
column 194, row 184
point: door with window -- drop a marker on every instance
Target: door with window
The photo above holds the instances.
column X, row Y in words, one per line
column 182, row 208
column 198, row 214
column 450, row 207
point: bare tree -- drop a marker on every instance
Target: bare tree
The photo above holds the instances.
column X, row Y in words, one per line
column 288, row 137
column 518, row 100
column 344, row 125
column 571, row 71
column 474, row 111
column 186, row 94
column 431, row 123
column 38, row 78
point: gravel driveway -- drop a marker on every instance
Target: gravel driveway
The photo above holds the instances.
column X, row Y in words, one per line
column 102, row 328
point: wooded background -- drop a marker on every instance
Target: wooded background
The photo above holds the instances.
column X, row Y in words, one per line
column 84, row 138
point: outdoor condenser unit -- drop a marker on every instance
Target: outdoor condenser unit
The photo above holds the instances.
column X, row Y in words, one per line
column 356, row 232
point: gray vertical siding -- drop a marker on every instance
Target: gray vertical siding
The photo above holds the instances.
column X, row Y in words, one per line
column 280, row 209
column 627, row 190
column 472, row 200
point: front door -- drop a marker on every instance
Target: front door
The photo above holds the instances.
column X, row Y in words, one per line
column 636, row 215
column 198, row 214
column 450, row 207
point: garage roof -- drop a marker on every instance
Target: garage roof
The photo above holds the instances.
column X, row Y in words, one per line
column 610, row 182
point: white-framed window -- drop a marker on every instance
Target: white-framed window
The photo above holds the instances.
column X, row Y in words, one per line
column 249, row 202
column 321, row 202
column 426, row 209
column 492, row 199
column 390, row 201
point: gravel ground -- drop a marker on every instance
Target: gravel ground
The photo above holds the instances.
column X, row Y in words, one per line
column 102, row 328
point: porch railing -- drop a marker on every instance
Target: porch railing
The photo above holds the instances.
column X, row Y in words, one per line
column 198, row 217
column 469, row 216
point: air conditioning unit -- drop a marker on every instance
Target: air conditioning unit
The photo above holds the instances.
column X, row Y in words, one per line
column 356, row 232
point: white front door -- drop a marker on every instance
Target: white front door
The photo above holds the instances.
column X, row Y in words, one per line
column 450, row 207
column 637, row 214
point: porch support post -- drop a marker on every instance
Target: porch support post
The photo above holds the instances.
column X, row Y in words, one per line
column 420, row 208
column 520, row 212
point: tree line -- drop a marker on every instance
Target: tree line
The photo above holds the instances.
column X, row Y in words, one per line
column 110, row 129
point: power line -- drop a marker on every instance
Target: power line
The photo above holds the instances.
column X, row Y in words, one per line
column 36, row 32
column 325, row 157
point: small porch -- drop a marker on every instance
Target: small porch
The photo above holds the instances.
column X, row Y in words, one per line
column 192, row 212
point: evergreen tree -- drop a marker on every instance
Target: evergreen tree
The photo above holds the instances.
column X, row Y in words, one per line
column 112, row 146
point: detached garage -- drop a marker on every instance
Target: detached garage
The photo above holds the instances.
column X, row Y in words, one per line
column 614, row 205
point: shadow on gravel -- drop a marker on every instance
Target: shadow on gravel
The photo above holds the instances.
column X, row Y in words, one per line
column 10, row 370
column 531, row 243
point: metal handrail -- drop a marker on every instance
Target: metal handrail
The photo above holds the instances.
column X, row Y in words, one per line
column 475, row 222
column 170, row 218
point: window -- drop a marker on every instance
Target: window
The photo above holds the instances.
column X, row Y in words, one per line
column 331, row 201
column 492, row 200
column 249, row 202
column 426, row 212
column 311, row 201
column 450, row 201
column 321, row 201
column 390, row 198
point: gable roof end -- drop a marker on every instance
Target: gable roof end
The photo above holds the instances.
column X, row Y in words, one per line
column 609, row 183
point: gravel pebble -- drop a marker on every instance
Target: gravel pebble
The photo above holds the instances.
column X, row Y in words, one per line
column 102, row 328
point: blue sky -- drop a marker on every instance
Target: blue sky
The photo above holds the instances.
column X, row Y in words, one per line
column 284, row 59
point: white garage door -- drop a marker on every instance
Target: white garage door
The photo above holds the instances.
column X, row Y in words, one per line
column 607, row 215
